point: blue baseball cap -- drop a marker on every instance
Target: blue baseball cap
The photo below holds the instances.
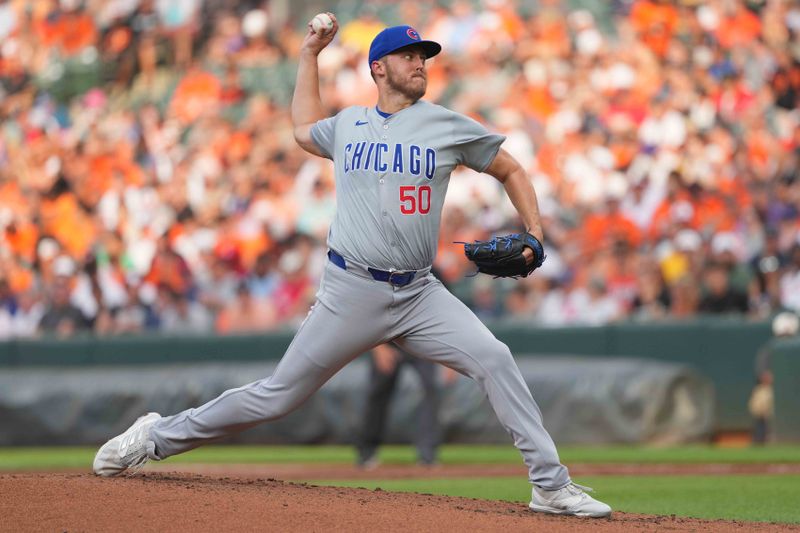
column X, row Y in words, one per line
column 396, row 37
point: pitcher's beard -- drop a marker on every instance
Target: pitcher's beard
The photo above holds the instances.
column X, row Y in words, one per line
column 405, row 87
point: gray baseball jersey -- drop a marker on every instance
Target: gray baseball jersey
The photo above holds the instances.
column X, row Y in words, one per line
column 391, row 178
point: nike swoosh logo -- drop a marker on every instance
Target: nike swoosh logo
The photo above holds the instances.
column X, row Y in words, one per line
column 361, row 123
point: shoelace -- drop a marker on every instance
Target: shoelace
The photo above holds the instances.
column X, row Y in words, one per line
column 576, row 489
column 133, row 444
column 136, row 466
column 135, row 455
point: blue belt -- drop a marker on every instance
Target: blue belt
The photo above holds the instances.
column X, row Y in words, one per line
column 398, row 279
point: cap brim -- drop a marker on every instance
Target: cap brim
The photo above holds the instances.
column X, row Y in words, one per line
column 431, row 48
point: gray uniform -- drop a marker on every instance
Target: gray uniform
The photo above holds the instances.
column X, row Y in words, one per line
column 391, row 178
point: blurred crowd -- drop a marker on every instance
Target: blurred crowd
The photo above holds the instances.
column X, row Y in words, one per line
column 149, row 179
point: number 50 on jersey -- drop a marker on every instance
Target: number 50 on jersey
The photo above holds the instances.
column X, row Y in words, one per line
column 415, row 199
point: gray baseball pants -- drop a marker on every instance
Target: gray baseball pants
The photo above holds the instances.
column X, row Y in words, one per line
column 354, row 313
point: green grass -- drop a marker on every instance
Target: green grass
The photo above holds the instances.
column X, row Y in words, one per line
column 81, row 457
column 759, row 498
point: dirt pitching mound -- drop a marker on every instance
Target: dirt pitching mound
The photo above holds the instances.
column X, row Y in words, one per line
column 302, row 472
column 182, row 502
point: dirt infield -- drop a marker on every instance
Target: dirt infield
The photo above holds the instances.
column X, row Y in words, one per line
column 291, row 472
column 184, row 502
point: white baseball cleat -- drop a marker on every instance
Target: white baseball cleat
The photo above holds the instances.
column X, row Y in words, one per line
column 131, row 450
column 570, row 500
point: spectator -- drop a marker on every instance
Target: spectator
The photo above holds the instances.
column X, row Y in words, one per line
column 768, row 266
column 61, row 318
column 485, row 301
column 264, row 279
column 134, row 316
column 179, row 315
column 721, row 297
column 318, row 210
column 592, row 305
column 8, row 301
column 221, row 286
column 170, row 271
column 727, row 250
column 684, row 297
column 520, row 302
column 652, row 301
column 294, row 292
column 30, row 310
column 246, row 314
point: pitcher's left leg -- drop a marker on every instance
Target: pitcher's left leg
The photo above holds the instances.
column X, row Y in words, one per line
column 439, row 327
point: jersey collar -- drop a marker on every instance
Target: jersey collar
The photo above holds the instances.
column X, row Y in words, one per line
column 381, row 113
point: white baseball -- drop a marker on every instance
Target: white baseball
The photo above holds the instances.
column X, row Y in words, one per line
column 322, row 23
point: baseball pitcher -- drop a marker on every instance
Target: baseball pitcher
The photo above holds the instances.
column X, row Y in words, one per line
column 392, row 165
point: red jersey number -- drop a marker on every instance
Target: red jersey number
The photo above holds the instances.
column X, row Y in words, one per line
column 415, row 199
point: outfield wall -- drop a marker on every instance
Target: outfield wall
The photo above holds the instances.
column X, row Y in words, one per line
column 723, row 350
column 583, row 401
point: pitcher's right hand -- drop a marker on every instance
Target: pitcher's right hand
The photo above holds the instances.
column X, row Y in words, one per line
column 315, row 42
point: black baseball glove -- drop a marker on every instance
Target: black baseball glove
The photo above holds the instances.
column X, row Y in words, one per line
column 502, row 257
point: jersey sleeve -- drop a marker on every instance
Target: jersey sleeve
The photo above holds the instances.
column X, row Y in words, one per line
column 475, row 146
column 323, row 133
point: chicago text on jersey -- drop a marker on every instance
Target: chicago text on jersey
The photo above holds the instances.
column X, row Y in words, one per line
column 397, row 159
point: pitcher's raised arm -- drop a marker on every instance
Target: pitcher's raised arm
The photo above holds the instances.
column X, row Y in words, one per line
column 306, row 102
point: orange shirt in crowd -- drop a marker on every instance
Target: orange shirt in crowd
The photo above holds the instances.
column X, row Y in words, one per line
column 740, row 29
column 236, row 147
column 105, row 167
column 11, row 197
column 708, row 212
column 245, row 245
column 510, row 21
column 602, row 230
column 22, row 240
column 623, row 152
column 664, row 218
column 64, row 219
column 69, row 32
column 539, row 102
column 20, row 279
column 170, row 270
column 760, row 148
column 251, row 246
column 553, row 34
column 197, row 92
column 711, row 214
column 655, row 24
column 736, row 189
column 77, row 32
